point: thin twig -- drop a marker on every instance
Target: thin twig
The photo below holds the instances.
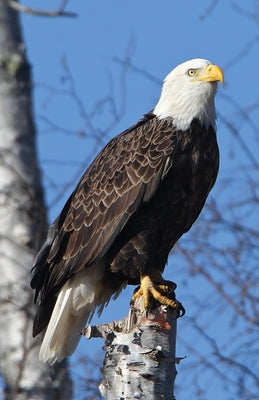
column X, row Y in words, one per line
column 59, row 12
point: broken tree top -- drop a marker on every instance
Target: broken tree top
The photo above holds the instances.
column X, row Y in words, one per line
column 140, row 354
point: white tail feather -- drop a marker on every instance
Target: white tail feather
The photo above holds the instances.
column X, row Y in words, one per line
column 75, row 304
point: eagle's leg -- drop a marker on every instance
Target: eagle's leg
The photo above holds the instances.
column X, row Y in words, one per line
column 155, row 286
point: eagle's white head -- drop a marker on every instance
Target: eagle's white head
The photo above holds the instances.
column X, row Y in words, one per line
column 188, row 92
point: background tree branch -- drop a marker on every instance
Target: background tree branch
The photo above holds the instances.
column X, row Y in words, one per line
column 59, row 12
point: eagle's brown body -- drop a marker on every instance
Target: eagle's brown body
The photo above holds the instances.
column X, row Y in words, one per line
column 141, row 193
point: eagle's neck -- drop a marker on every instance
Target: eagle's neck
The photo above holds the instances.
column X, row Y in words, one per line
column 185, row 106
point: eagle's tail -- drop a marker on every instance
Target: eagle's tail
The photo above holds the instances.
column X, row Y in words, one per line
column 75, row 305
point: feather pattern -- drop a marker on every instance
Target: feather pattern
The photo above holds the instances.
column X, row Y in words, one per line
column 118, row 196
column 74, row 306
column 121, row 177
column 140, row 194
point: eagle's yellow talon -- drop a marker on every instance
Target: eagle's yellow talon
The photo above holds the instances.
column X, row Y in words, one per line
column 153, row 288
column 138, row 293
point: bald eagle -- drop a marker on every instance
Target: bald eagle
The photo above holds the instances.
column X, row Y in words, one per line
column 140, row 194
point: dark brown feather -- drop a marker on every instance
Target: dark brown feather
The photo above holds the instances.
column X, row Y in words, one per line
column 140, row 194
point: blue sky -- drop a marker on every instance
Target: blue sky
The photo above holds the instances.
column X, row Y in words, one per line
column 156, row 36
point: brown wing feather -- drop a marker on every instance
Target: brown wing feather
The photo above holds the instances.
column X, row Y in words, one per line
column 126, row 173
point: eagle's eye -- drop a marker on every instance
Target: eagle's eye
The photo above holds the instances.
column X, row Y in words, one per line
column 191, row 72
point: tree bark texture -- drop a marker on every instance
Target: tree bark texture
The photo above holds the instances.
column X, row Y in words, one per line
column 23, row 224
column 140, row 355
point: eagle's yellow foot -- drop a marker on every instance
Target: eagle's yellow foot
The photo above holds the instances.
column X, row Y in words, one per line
column 161, row 290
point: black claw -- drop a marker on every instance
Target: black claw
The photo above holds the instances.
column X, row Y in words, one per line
column 170, row 291
column 146, row 312
column 136, row 289
column 180, row 310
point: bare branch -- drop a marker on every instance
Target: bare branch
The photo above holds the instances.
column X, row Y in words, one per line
column 59, row 12
column 230, row 361
column 243, row 52
column 138, row 70
column 210, row 9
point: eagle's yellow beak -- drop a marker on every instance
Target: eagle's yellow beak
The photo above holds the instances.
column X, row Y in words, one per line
column 212, row 73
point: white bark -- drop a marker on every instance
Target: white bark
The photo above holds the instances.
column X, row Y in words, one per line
column 23, row 221
column 140, row 355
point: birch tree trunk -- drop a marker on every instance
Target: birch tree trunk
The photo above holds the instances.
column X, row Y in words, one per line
column 140, row 354
column 23, row 224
